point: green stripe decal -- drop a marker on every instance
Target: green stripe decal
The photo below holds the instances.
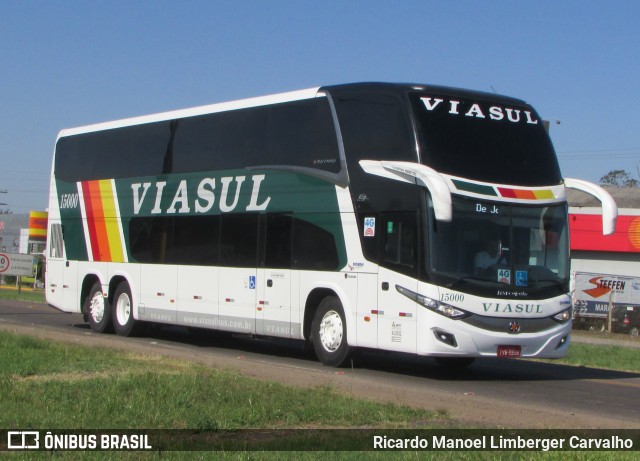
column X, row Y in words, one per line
column 475, row 188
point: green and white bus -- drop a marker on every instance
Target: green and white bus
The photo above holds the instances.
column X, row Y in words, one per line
column 350, row 216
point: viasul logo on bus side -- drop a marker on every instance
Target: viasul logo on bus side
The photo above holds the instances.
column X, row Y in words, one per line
column 156, row 198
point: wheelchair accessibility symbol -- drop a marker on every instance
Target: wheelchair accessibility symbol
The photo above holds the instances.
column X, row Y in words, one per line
column 252, row 282
column 521, row 278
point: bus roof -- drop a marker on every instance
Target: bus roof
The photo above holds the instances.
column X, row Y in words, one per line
column 402, row 88
column 398, row 88
column 194, row 111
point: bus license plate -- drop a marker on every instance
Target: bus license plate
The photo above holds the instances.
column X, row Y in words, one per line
column 508, row 352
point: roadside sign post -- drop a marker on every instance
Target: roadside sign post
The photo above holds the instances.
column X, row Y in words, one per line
column 610, row 312
column 16, row 264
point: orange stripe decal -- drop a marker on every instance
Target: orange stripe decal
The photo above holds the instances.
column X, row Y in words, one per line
column 111, row 221
column 98, row 222
column 102, row 221
column 526, row 194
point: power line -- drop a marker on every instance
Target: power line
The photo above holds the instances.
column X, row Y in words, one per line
column 596, row 157
column 600, row 153
column 633, row 150
column 600, row 150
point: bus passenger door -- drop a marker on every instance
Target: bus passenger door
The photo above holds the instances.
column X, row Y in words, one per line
column 237, row 298
column 61, row 274
column 397, row 313
column 273, row 309
column 237, row 281
column 54, row 277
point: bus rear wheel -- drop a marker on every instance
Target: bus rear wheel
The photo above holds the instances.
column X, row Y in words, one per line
column 97, row 309
column 329, row 333
column 123, row 321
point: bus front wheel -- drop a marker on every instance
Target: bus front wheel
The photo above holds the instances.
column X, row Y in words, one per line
column 329, row 333
column 97, row 309
column 123, row 321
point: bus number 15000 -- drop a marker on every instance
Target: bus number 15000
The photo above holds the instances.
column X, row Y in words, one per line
column 69, row 201
column 451, row 297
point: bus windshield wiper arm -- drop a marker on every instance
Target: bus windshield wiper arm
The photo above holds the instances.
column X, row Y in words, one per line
column 555, row 282
column 466, row 278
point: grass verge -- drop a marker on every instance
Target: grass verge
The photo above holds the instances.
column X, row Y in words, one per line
column 68, row 386
column 25, row 294
column 51, row 385
column 602, row 356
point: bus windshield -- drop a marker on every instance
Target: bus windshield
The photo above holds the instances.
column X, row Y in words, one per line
column 500, row 141
column 500, row 249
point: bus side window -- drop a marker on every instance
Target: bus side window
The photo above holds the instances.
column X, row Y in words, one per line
column 375, row 127
column 278, row 241
column 399, row 244
column 132, row 151
column 301, row 133
column 196, row 240
column 220, row 141
column 314, row 247
column 56, row 242
column 239, row 240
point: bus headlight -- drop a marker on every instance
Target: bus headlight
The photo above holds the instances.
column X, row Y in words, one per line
column 563, row 317
column 433, row 305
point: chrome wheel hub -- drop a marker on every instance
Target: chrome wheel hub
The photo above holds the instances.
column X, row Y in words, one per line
column 123, row 309
column 96, row 307
column 331, row 331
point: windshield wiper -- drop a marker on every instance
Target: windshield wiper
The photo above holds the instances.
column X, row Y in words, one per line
column 555, row 282
column 467, row 278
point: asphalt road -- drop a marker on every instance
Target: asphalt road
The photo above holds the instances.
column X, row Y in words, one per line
column 493, row 392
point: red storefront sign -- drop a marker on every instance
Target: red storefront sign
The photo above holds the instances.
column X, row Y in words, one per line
column 585, row 231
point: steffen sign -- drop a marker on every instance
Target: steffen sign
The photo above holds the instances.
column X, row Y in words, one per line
column 16, row 264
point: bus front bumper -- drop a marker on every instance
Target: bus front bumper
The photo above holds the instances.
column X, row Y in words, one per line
column 456, row 338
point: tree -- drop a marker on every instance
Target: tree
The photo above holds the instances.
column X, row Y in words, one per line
column 619, row 178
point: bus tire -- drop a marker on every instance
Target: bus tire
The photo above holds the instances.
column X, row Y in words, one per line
column 98, row 310
column 123, row 321
column 329, row 333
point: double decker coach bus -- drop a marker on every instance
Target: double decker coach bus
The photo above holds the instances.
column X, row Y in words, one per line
column 413, row 218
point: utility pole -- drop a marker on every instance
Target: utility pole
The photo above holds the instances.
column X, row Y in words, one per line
column 3, row 204
column 1, row 233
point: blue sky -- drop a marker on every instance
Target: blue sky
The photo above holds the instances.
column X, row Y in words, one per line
column 73, row 63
